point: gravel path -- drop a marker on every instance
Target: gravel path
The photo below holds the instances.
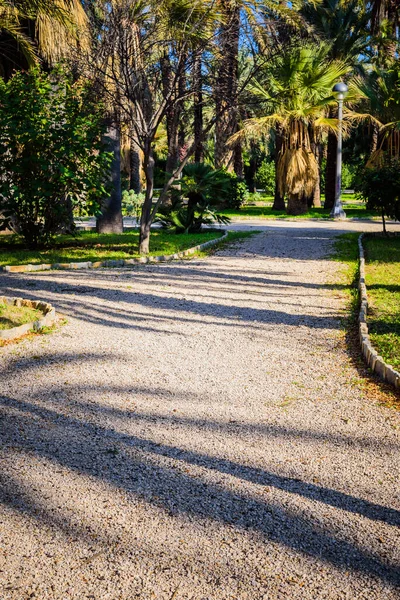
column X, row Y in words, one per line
column 197, row 432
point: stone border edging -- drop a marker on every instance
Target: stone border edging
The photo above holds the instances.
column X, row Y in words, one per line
column 371, row 356
column 113, row 263
column 49, row 316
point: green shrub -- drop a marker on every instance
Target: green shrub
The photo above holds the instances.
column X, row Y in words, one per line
column 265, row 177
column 132, row 203
column 236, row 193
column 348, row 177
column 194, row 203
column 380, row 188
column 52, row 159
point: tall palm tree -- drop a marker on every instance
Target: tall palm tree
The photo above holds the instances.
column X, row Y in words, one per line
column 343, row 25
column 296, row 94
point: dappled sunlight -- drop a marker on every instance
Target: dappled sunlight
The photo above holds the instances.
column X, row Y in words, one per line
column 194, row 420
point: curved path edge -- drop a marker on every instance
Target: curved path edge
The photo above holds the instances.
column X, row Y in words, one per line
column 114, row 263
column 48, row 319
column 375, row 362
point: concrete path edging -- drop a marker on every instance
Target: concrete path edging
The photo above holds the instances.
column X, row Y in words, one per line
column 48, row 319
column 114, row 263
column 371, row 356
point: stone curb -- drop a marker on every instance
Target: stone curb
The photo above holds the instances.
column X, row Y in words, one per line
column 371, row 357
column 113, row 263
column 48, row 319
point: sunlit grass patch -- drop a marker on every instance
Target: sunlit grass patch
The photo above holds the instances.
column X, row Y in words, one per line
column 14, row 316
column 88, row 246
column 383, row 289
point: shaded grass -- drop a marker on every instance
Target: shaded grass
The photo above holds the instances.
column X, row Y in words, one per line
column 13, row 316
column 89, row 246
column 382, row 276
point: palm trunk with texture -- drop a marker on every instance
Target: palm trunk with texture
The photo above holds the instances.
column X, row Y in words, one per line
column 110, row 220
column 227, row 86
column 279, row 200
column 330, row 170
column 198, row 109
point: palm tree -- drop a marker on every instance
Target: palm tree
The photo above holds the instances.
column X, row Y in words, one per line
column 382, row 90
column 343, row 25
column 33, row 29
column 296, row 95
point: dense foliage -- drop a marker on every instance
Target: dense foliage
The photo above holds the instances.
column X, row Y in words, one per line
column 265, row 176
column 244, row 87
column 194, row 203
column 380, row 188
column 52, row 159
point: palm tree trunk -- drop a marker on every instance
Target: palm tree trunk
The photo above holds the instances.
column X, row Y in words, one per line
column 297, row 205
column 135, row 182
column 315, row 198
column 110, row 220
column 252, row 169
column 279, row 200
column 145, row 220
column 198, row 109
column 227, row 86
column 330, row 172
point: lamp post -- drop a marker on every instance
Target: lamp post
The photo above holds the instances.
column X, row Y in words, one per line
column 339, row 91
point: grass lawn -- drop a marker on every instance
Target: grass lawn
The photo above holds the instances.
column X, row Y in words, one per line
column 13, row 316
column 88, row 246
column 354, row 209
column 346, row 283
column 266, row 212
column 382, row 274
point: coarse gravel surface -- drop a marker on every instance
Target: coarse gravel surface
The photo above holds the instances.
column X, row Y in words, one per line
column 197, row 431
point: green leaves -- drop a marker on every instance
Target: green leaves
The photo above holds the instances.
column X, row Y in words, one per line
column 52, row 159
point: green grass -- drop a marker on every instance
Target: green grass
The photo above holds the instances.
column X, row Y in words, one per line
column 382, row 277
column 93, row 247
column 13, row 316
column 352, row 210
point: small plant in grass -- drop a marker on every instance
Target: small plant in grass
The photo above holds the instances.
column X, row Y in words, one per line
column 380, row 188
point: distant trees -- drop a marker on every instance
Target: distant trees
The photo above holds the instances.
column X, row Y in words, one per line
column 295, row 93
column 228, row 83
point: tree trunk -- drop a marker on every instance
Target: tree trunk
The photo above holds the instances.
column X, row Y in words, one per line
column 227, row 86
column 317, row 191
column 238, row 165
column 330, row 172
column 110, row 220
column 315, row 198
column 279, row 199
column 374, row 138
column 145, row 220
column 297, row 205
column 252, row 170
column 198, row 109
column 135, row 160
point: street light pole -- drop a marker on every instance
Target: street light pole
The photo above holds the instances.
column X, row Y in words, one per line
column 340, row 92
